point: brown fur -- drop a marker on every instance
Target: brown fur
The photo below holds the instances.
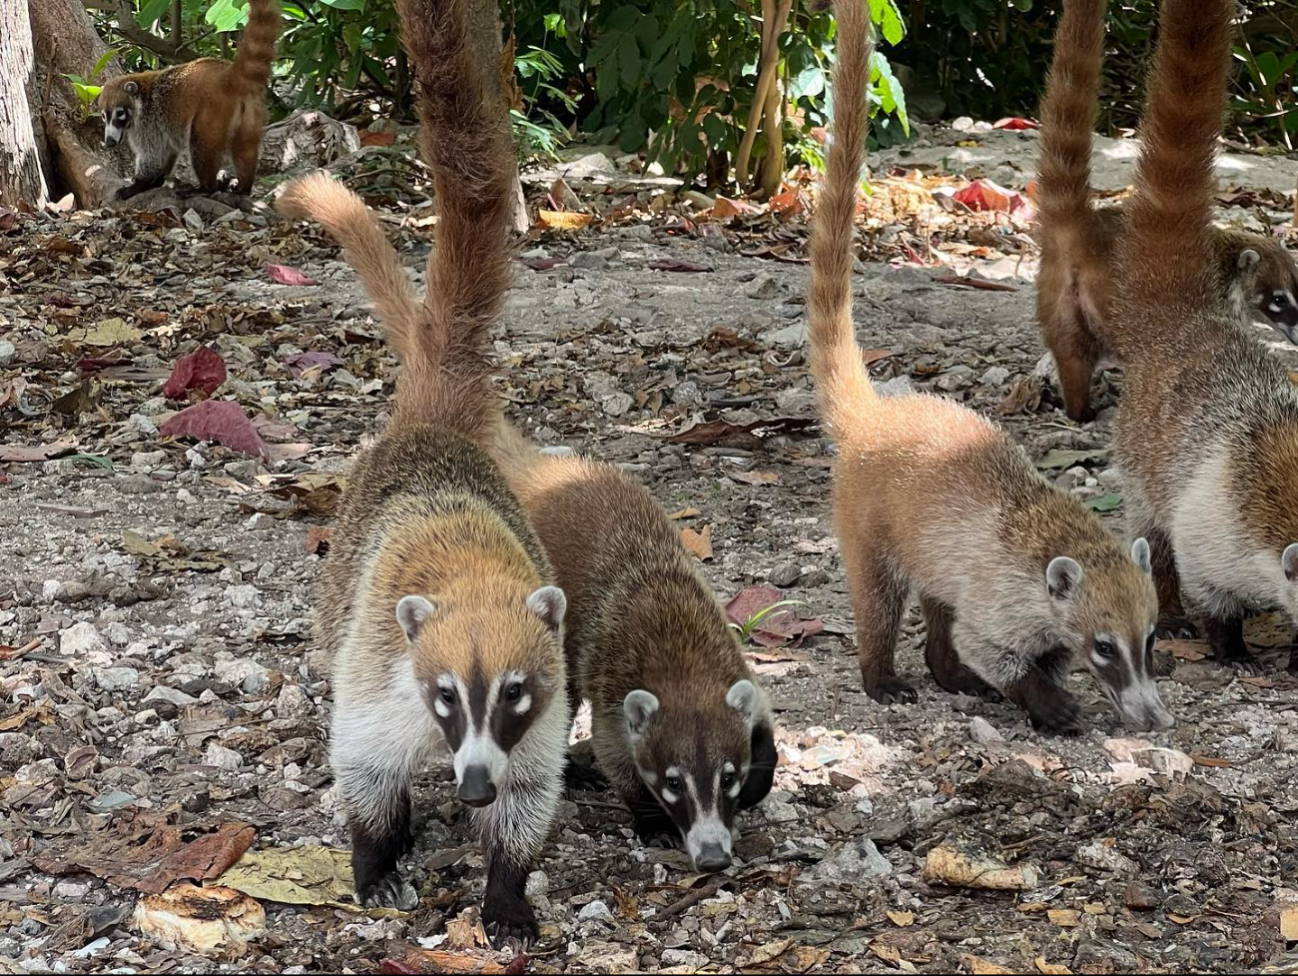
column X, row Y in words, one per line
column 930, row 495
column 427, row 514
column 1078, row 240
column 1208, row 425
column 217, row 107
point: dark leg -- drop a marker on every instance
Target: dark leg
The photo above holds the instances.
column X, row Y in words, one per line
column 761, row 768
column 149, row 175
column 943, row 661
column 505, row 911
column 1172, row 621
column 878, row 598
column 1226, row 637
column 1042, row 694
column 206, row 158
column 376, row 847
column 584, row 776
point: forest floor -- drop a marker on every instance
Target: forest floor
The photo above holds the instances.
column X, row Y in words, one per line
column 162, row 709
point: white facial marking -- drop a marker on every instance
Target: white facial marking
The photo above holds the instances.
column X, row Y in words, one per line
column 708, row 828
column 523, row 704
column 738, row 783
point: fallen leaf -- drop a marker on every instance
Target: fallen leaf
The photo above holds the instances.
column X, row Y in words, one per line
column 626, row 906
column 371, row 137
column 108, row 332
column 465, row 931
column 872, row 356
column 986, row 195
column 779, row 627
column 1256, row 681
column 725, row 208
column 1289, row 923
column 203, row 370
column 44, row 452
column 975, row 869
column 170, row 555
column 317, row 539
column 677, row 264
column 1065, row 918
column 308, row 875
column 318, row 362
column 687, row 512
column 441, row 961
column 76, row 401
column 968, row 282
column 1186, row 650
column 754, row 477
column 1105, row 503
column 543, row 264
column 715, row 431
column 983, row 967
column 209, row 921
column 564, row 219
column 787, row 204
column 1016, row 125
column 1050, row 968
column 1024, row 396
column 698, row 544
column 902, row 919
column 222, row 421
column 282, row 274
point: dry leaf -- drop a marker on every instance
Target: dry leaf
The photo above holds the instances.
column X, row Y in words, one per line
column 1186, row 650
column 108, row 332
column 202, row 370
column 465, row 931
column 282, row 274
column 698, row 544
column 1289, row 923
column 754, row 477
column 902, row 919
column 222, row 421
column 973, row 869
column 983, row 967
column 209, row 921
column 564, row 219
column 294, row 876
column 1050, row 968
column 688, row 512
column 1065, row 918
column 18, row 455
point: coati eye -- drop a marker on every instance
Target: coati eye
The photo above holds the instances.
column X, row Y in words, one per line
column 727, row 780
column 673, row 783
column 514, row 692
column 447, row 695
column 1105, row 649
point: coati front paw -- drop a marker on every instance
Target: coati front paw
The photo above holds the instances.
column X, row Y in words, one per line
column 390, row 892
column 891, row 691
column 1064, row 718
column 1245, row 666
column 509, row 918
column 965, row 682
column 1176, row 627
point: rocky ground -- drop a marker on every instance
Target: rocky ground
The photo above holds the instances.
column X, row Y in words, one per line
column 162, row 711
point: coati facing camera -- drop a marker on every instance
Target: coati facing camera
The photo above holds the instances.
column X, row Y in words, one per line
column 1207, row 435
column 1016, row 578
column 1254, row 276
column 216, row 107
column 681, row 725
column 437, row 599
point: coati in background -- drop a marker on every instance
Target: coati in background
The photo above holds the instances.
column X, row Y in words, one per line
column 1016, row 578
column 1207, row 435
column 217, row 108
column 1254, row 276
column 681, row 726
column 437, row 600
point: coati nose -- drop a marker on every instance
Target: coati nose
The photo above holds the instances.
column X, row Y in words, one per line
column 476, row 788
column 712, row 857
column 110, row 140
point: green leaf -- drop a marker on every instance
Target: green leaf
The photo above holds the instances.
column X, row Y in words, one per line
column 103, row 61
column 1105, row 503
column 345, row 4
column 352, row 34
column 808, row 83
column 887, row 18
column 714, row 127
column 892, row 98
column 225, row 16
column 628, row 55
column 92, row 459
column 151, row 11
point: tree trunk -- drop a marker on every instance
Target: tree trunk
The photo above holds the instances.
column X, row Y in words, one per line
column 21, row 177
column 66, row 43
column 486, row 35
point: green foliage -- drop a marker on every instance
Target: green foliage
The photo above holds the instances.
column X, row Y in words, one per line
column 745, row 630
column 86, row 89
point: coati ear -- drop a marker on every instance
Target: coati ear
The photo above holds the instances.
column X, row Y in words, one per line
column 550, row 605
column 1249, row 259
column 131, row 88
column 741, row 697
column 1062, row 576
column 639, row 707
column 412, row 613
column 1141, row 556
column 1289, row 562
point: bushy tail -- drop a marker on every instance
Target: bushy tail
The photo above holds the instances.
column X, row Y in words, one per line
column 1166, row 260
column 441, row 341
column 1068, row 113
column 251, row 68
column 842, row 382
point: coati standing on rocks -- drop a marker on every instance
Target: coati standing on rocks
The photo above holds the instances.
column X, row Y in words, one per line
column 1254, row 276
column 1207, row 435
column 1016, row 578
column 437, row 598
column 681, row 726
column 216, row 107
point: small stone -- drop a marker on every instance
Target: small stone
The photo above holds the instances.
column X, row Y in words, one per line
column 292, row 702
column 192, row 220
column 994, row 376
column 146, row 461
column 786, row 574
column 1104, row 858
column 223, row 758
column 778, row 810
column 687, row 394
column 764, row 287
column 856, row 861
column 588, row 260
column 1139, row 897
column 71, row 890
column 955, row 378
column 595, row 911
column 116, row 679
column 684, row 960
column 983, row 732
column 81, row 640
column 616, row 404
column 141, row 423
column 7, row 352
column 790, row 337
column 897, row 386
column 538, row 885
column 169, row 696
column 243, row 596
column 795, row 399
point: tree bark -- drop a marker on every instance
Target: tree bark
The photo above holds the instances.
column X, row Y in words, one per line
column 487, row 35
column 66, row 43
column 22, row 179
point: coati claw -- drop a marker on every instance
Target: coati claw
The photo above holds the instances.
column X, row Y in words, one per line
column 391, row 892
column 1176, row 628
column 892, row 691
column 512, row 920
column 1245, row 667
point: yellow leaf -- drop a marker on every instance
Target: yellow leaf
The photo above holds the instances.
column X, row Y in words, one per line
column 688, row 512
column 983, row 967
column 1050, row 968
column 108, row 332
column 294, row 876
column 698, row 543
column 902, row 919
column 563, row 219
column 1289, row 923
column 1065, row 918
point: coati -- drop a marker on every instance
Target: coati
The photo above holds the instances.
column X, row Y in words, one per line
column 1254, row 276
column 1016, row 578
column 1207, row 434
column 437, row 599
column 216, row 107
column 681, row 726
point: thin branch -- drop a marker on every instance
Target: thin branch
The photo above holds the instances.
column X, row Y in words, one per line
column 127, row 27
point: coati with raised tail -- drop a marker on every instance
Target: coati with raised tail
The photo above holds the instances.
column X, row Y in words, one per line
column 1016, row 578
column 1207, row 434
column 217, row 108
column 437, row 599
column 1254, row 276
column 681, row 726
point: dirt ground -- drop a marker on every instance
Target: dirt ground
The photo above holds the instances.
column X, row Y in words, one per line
column 162, row 709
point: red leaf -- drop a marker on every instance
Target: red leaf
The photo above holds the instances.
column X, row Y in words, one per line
column 1016, row 124
column 787, row 203
column 202, row 369
column 543, row 264
column 391, row 965
column 676, row 264
column 284, row 275
column 303, row 361
column 371, row 138
column 778, row 627
column 986, row 195
column 222, row 421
